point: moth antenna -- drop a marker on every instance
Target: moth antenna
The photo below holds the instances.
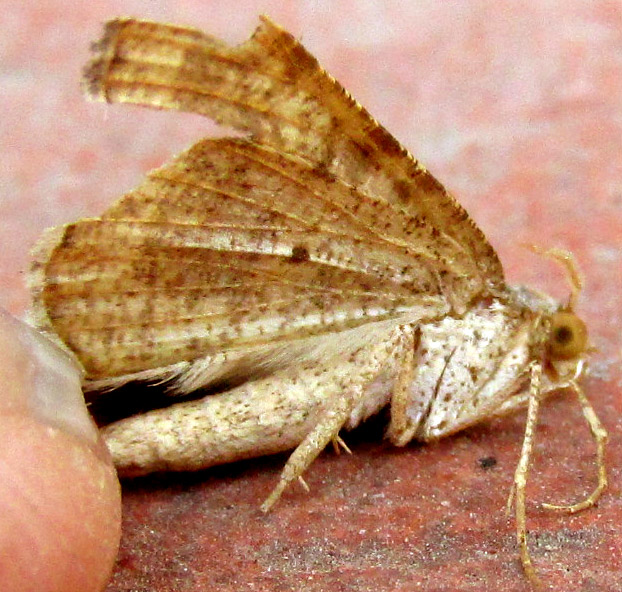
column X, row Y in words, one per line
column 569, row 264
column 600, row 436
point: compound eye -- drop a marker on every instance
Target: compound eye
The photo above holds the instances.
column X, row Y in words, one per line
column 568, row 337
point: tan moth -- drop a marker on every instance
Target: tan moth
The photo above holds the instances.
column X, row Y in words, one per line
column 297, row 279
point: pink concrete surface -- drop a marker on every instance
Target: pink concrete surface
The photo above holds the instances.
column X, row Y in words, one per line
column 517, row 107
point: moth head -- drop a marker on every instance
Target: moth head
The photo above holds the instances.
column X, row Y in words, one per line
column 567, row 337
column 567, row 342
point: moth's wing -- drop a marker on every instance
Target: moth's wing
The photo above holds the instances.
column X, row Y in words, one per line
column 272, row 88
column 234, row 258
column 247, row 254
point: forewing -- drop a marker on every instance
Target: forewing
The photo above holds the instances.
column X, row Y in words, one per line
column 229, row 253
column 272, row 88
column 241, row 249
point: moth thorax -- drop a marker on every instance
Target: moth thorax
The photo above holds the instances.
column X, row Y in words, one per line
column 567, row 336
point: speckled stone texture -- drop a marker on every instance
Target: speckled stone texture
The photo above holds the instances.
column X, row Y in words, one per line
column 517, row 107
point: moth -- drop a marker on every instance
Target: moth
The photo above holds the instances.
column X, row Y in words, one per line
column 296, row 279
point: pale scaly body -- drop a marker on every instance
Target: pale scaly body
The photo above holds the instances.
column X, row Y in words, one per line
column 454, row 380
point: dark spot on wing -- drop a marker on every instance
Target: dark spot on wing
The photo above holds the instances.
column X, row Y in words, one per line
column 403, row 190
column 300, row 254
column 473, row 371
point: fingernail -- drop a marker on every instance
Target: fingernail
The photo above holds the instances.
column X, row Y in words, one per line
column 41, row 379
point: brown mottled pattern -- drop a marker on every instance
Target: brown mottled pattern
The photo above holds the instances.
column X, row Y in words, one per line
column 320, row 216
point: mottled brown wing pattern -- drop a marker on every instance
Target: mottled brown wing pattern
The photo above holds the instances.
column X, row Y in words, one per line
column 272, row 88
column 219, row 266
column 318, row 224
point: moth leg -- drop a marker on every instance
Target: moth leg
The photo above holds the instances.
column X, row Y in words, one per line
column 307, row 451
column 401, row 429
column 600, row 436
column 367, row 364
column 517, row 493
column 338, row 444
column 303, row 483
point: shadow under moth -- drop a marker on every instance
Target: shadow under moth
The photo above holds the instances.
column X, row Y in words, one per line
column 305, row 275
